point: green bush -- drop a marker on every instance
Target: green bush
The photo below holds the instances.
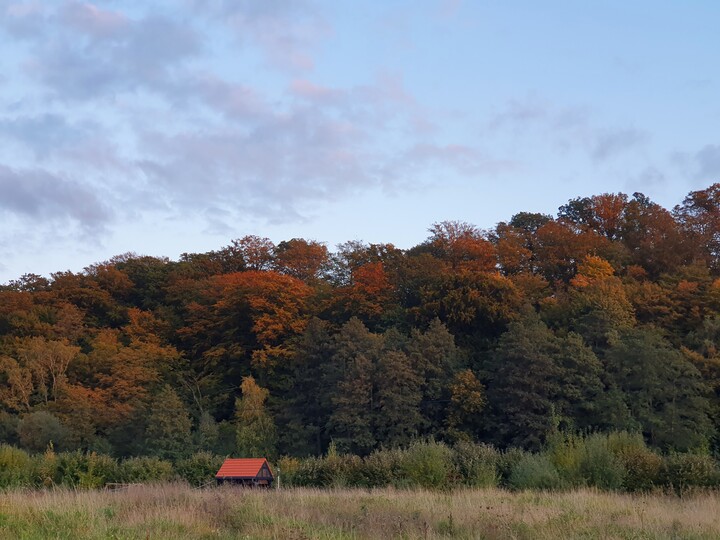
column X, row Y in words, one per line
column 309, row 473
column 507, row 462
column 144, row 470
column 200, row 468
column 427, row 464
column 476, row 464
column 566, row 453
column 343, row 470
column 44, row 469
column 384, row 467
column 599, row 467
column 535, row 471
column 88, row 471
column 682, row 472
column 15, row 467
column 621, row 442
column 287, row 468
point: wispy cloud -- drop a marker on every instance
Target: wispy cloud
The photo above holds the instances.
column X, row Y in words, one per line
column 44, row 197
column 707, row 161
column 568, row 127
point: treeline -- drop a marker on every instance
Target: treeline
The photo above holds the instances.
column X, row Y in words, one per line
column 603, row 318
column 617, row 461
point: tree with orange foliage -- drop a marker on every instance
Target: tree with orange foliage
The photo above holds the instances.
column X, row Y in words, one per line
column 303, row 259
column 462, row 246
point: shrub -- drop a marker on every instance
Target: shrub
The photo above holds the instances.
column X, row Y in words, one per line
column 476, row 464
column 15, row 467
column 427, row 464
column 621, row 442
column 565, row 452
column 384, row 467
column 507, row 461
column 682, row 472
column 88, row 471
column 534, row 471
column 145, row 469
column 287, row 468
column 44, row 468
column 599, row 467
column 342, row 470
column 199, row 469
column 309, row 473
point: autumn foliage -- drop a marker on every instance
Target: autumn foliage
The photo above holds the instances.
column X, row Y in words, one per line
column 605, row 317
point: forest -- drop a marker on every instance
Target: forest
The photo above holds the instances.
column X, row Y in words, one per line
column 603, row 318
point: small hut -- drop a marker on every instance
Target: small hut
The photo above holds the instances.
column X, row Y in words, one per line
column 251, row 472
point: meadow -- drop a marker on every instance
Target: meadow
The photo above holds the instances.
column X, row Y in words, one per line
column 175, row 510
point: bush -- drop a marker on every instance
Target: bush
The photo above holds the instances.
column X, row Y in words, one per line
column 427, row 464
column 88, row 471
column 145, row 469
column 44, row 469
column 476, row 464
column 565, row 452
column 621, row 442
column 534, row 471
column 286, row 471
column 384, row 467
column 599, row 467
column 507, row 461
column 342, row 470
column 310, row 473
column 15, row 467
column 682, row 472
column 200, row 468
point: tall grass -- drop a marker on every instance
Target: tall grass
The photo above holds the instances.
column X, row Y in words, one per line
column 178, row 511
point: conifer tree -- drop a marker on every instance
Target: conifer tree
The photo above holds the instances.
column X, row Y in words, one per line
column 168, row 433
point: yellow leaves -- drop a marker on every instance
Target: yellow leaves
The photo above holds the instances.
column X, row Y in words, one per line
column 593, row 269
column 467, row 394
column 17, row 392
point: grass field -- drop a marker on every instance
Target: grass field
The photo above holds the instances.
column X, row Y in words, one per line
column 176, row 511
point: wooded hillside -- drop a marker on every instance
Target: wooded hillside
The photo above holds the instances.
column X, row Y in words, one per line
column 604, row 317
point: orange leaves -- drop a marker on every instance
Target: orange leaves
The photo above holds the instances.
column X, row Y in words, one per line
column 301, row 259
column 462, row 246
column 255, row 310
column 276, row 302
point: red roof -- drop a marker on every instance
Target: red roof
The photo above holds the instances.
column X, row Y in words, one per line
column 241, row 467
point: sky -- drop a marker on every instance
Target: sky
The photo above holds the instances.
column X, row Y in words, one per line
column 176, row 126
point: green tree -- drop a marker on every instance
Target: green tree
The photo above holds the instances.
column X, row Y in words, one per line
column 350, row 424
column 168, row 433
column 436, row 358
column 663, row 391
column 306, row 407
column 398, row 418
column 37, row 430
column 350, row 376
column 523, row 379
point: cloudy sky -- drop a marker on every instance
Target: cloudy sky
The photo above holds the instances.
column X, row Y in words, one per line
column 174, row 126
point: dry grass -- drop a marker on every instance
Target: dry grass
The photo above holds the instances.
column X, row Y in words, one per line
column 176, row 511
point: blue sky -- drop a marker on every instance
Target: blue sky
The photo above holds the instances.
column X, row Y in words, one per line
column 168, row 127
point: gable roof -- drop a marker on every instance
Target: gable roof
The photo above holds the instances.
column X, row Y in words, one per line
column 241, row 467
